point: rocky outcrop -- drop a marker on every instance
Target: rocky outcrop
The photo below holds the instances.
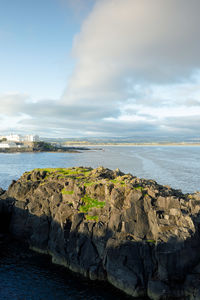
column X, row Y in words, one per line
column 140, row 236
column 42, row 147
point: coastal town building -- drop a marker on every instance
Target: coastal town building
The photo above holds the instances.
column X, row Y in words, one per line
column 31, row 138
column 14, row 137
column 20, row 138
column 7, row 145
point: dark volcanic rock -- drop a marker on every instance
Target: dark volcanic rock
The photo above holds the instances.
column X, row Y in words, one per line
column 1, row 191
column 140, row 236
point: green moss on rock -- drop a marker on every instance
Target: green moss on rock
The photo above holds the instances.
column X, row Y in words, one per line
column 90, row 203
column 92, row 218
column 65, row 192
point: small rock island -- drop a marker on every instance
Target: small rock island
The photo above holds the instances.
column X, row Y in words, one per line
column 142, row 237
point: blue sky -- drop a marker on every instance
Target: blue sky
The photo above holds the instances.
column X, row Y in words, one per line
column 36, row 39
column 72, row 68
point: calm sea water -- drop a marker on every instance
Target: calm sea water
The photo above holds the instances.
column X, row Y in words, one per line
column 28, row 276
column 177, row 166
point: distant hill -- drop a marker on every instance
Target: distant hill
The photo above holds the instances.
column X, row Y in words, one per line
column 124, row 140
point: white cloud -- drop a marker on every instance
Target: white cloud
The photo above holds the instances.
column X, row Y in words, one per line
column 138, row 66
column 16, row 122
column 137, row 72
column 125, row 42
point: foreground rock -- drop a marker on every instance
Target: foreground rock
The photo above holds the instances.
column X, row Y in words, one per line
column 140, row 236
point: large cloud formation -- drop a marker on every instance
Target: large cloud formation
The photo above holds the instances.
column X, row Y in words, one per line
column 133, row 53
column 125, row 42
column 137, row 72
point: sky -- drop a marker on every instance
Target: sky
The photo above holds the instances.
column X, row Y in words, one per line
column 100, row 68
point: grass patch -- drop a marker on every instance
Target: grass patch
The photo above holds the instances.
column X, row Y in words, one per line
column 79, row 171
column 138, row 188
column 61, row 177
column 92, row 218
column 64, row 172
column 90, row 203
column 115, row 181
column 141, row 189
column 151, row 241
column 89, row 183
column 64, row 192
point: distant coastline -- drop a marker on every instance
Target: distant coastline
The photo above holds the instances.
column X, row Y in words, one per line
column 37, row 147
column 131, row 144
column 24, row 150
column 72, row 146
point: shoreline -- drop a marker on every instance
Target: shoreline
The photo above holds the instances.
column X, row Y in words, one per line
column 20, row 150
column 41, row 146
column 14, row 152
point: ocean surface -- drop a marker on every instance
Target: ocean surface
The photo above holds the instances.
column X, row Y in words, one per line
column 177, row 166
column 25, row 275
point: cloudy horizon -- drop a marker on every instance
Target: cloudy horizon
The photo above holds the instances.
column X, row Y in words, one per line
column 100, row 68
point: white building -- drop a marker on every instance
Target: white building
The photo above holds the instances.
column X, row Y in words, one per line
column 7, row 145
column 14, row 138
column 31, row 138
column 20, row 138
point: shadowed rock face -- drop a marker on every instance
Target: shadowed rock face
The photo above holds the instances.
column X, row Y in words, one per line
column 140, row 236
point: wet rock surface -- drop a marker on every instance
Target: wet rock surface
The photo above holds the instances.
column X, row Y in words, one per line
column 140, row 236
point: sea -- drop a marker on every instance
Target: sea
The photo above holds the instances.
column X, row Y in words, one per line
column 25, row 275
column 177, row 166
